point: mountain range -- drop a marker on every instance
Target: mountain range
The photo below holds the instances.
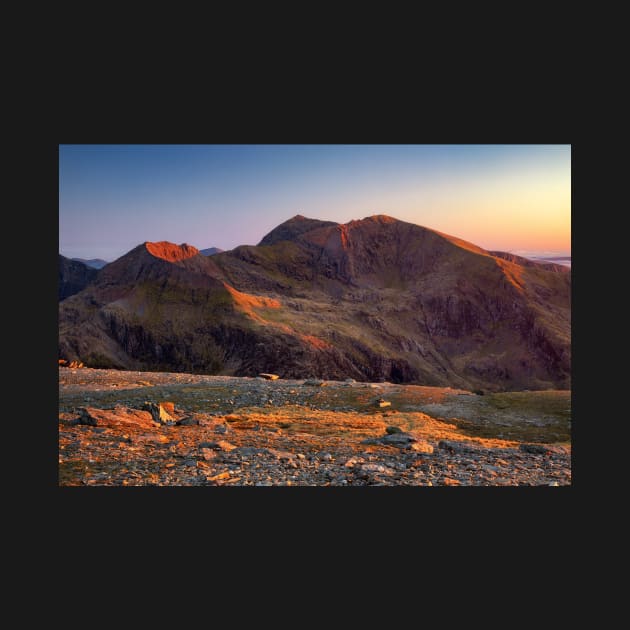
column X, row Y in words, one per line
column 211, row 251
column 372, row 299
column 95, row 263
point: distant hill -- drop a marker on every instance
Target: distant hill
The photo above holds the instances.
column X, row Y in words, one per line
column 211, row 251
column 544, row 263
column 374, row 299
column 565, row 261
column 74, row 276
column 95, row 263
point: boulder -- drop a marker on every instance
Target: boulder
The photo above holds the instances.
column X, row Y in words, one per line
column 398, row 439
column 168, row 406
column 158, row 412
column 120, row 415
column 269, row 377
column 86, row 417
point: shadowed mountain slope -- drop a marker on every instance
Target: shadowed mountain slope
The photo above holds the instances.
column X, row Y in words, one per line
column 74, row 276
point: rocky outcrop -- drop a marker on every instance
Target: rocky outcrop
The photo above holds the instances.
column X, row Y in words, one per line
column 119, row 416
column 160, row 412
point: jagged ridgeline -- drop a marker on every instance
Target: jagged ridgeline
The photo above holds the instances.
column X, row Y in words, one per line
column 371, row 299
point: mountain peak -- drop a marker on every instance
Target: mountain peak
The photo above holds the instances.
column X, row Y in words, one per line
column 380, row 218
column 292, row 228
column 171, row 252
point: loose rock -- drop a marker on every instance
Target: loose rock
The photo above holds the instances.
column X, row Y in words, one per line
column 314, row 382
column 376, row 468
column 398, row 439
column 269, row 377
column 381, row 402
column 421, row 446
column 447, row 481
column 221, row 445
column 319, row 446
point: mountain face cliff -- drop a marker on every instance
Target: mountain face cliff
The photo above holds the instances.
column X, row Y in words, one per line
column 371, row 299
column 74, row 276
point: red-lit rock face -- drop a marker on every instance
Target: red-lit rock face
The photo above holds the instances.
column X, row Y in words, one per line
column 170, row 251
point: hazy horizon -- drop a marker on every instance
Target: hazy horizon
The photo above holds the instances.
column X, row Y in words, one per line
column 512, row 198
column 542, row 254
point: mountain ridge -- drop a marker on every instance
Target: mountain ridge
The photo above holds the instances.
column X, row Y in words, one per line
column 73, row 277
column 95, row 263
column 376, row 298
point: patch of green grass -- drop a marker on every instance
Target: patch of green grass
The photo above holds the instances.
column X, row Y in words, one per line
column 541, row 416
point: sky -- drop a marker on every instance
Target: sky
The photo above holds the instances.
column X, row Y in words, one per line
column 513, row 198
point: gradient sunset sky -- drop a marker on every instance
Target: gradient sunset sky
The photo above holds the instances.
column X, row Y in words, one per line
column 114, row 197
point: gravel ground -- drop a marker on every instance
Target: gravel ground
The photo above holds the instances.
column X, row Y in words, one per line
column 223, row 430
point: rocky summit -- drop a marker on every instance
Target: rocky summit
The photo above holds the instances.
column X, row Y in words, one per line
column 369, row 300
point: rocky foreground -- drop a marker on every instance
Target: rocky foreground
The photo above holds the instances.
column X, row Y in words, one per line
column 120, row 428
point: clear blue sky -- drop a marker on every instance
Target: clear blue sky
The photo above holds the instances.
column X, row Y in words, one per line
column 114, row 197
